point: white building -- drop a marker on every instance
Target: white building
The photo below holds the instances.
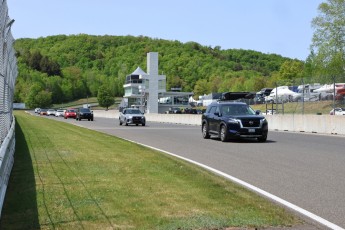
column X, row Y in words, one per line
column 147, row 91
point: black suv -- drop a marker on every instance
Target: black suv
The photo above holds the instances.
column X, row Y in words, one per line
column 84, row 113
column 227, row 119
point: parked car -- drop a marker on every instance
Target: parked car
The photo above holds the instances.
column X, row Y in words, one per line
column 337, row 111
column 51, row 112
column 260, row 96
column 43, row 112
column 84, row 113
column 70, row 113
column 271, row 112
column 59, row 113
column 37, row 110
column 190, row 111
column 132, row 116
column 340, row 94
column 226, row 120
column 175, row 110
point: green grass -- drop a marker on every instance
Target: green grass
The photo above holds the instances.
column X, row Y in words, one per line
column 76, row 103
column 67, row 177
column 82, row 101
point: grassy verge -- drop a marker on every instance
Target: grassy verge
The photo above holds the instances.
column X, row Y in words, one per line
column 67, row 177
column 91, row 100
column 76, row 103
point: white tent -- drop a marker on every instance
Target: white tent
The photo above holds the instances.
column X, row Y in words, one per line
column 281, row 93
column 191, row 99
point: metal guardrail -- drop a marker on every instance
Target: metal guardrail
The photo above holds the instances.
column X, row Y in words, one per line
column 8, row 75
column 6, row 162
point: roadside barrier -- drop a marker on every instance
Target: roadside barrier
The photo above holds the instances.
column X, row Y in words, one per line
column 323, row 124
column 7, row 149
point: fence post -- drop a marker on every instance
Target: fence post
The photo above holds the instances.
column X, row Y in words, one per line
column 333, row 95
column 302, row 96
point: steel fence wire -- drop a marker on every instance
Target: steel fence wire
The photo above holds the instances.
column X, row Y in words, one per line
column 8, row 75
column 322, row 94
column 8, row 71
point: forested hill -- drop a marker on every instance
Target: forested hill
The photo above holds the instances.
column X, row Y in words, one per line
column 61, row 68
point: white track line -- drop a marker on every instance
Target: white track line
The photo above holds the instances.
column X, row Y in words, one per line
column 252, row 187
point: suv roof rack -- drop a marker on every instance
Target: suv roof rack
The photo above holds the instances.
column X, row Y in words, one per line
column 230, row 96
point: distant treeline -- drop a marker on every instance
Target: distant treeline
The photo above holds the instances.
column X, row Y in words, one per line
column 61, row 68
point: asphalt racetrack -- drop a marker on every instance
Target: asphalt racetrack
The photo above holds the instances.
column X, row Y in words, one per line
column 306, row 170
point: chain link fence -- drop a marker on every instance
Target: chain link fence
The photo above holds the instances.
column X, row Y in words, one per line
column 304, row 96
column 8, row 71
column 8, row 75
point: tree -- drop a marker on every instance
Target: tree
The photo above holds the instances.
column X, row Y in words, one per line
column 255, row 83
column 290, row 71
column 44, row 99
column 104, row 97
column 238, row 84
column 174, row 82
column 53, row 85
column 328, row 41
column 83, row 63
column 35, row 60
column 201, row 87
column 38, row 97
column 67, row 90
column 215, row 82
column 93, row 82
column 50, row 67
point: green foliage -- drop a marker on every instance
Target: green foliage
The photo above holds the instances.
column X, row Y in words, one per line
column 290, row 70
column 104, row 97
column 80, row 64
column 38, row 97
column 201, row 87
column 41, row 63
column 328, row 53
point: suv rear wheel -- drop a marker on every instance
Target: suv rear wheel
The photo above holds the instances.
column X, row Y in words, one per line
column 205, row 133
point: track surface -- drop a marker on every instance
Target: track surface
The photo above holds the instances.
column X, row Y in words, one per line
column 305, row 169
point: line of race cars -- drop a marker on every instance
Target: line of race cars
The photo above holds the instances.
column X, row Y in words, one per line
column 78, row 114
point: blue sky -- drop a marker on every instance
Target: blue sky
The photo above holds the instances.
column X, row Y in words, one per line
column 270, row 26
